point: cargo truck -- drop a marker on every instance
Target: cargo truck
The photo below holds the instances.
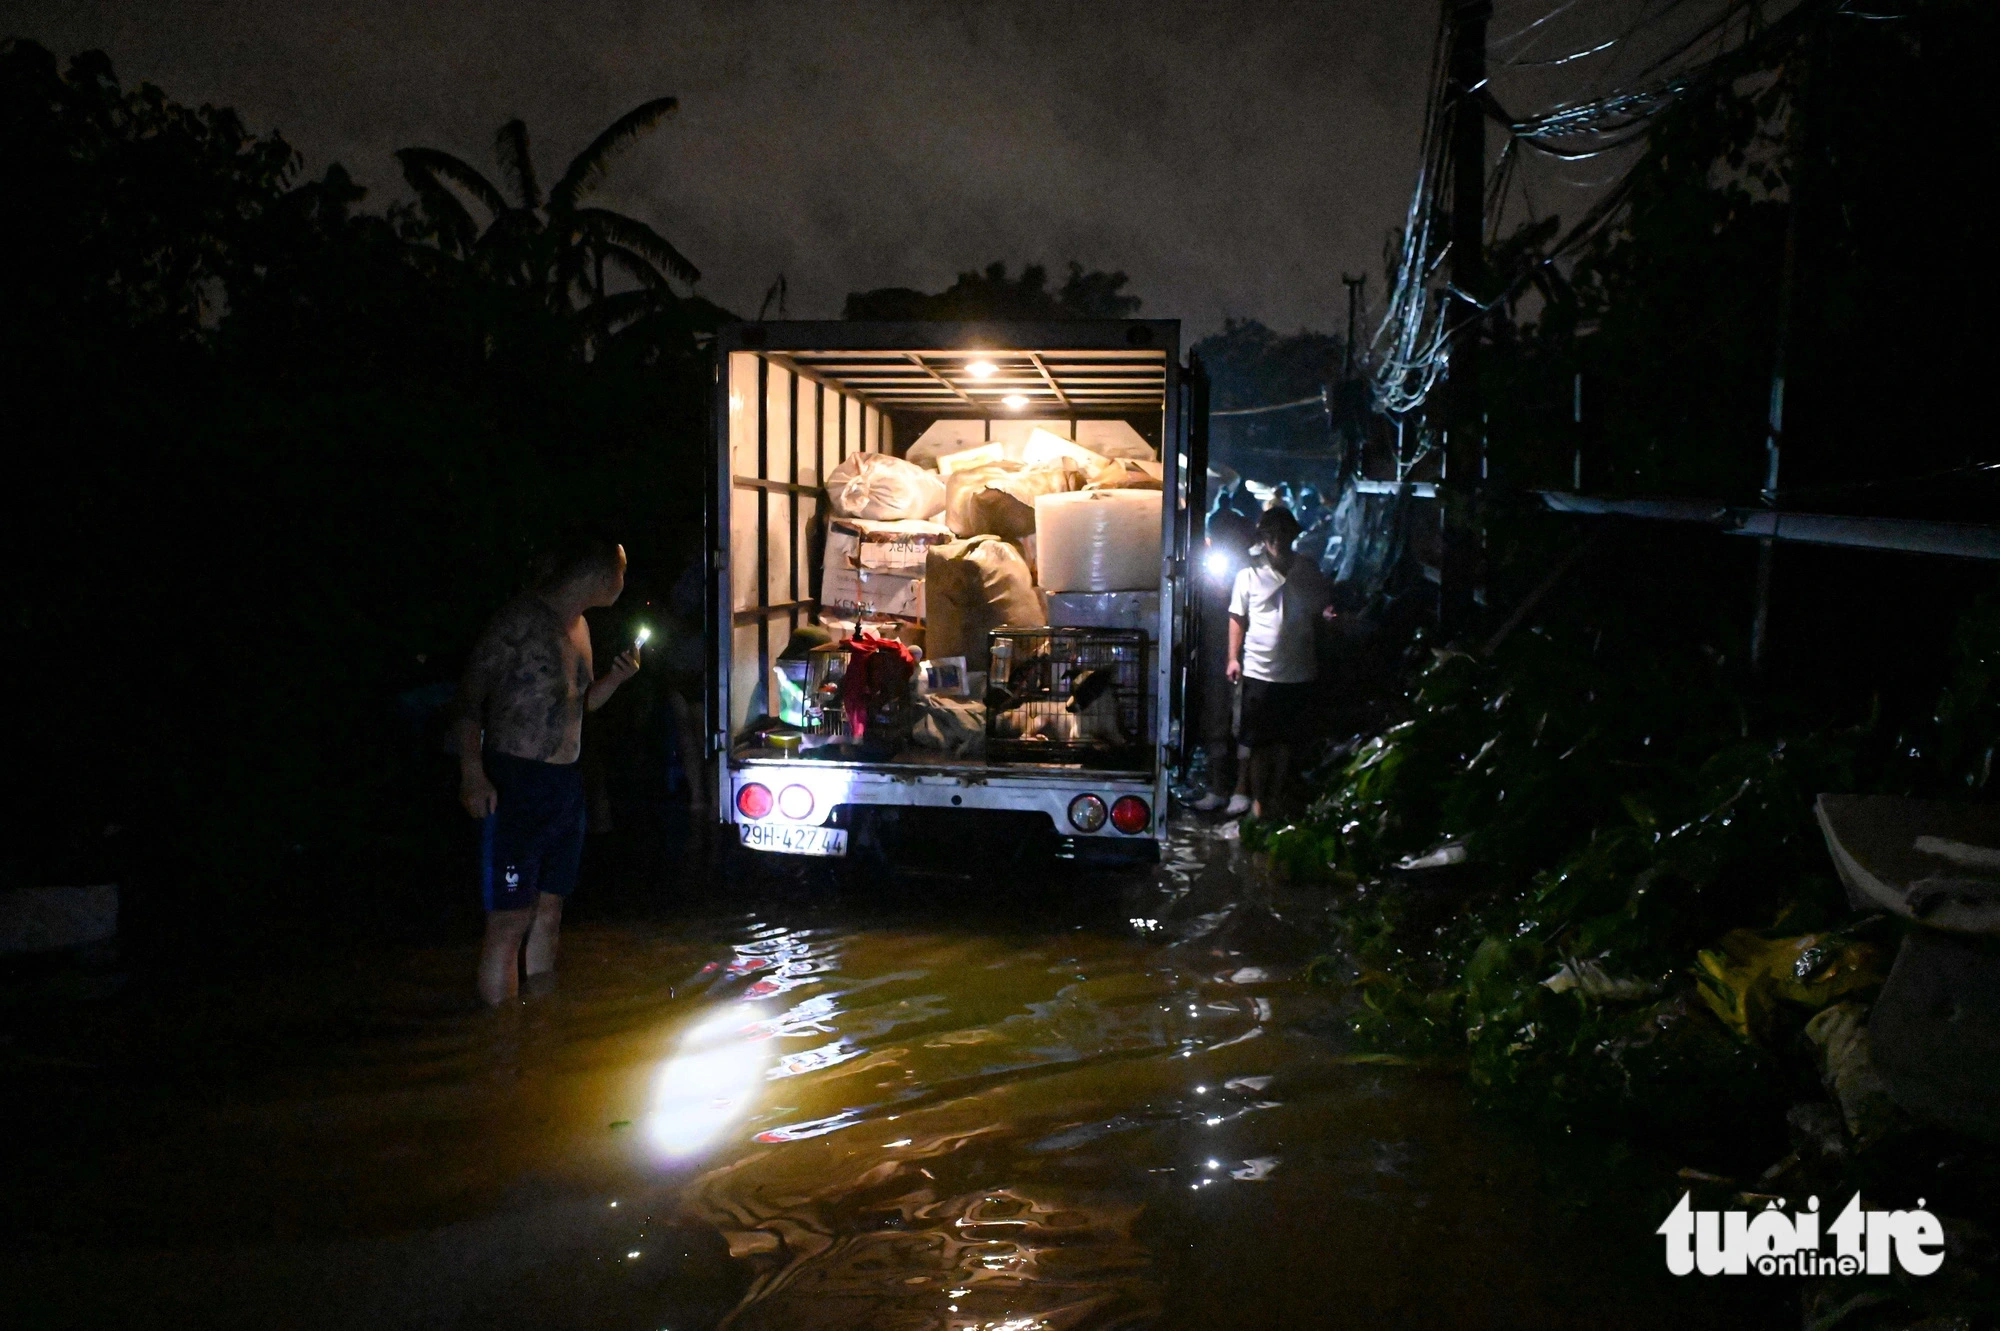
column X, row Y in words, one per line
column 793, row 400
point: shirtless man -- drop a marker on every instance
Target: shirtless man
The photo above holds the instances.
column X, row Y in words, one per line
column 526, row 688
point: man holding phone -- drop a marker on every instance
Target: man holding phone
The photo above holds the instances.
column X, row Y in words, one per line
column 519, row 736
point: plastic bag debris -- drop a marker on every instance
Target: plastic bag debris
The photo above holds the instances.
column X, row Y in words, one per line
column 1747, row 976
column 1962, row 853
column 1847, row 1068
column 1598, row 983
column 1442, row 857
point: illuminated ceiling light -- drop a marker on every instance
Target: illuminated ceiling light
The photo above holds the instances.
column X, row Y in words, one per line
column 982, row 369
column 1015, row 401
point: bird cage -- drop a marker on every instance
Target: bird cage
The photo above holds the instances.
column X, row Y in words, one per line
column 1069, row 695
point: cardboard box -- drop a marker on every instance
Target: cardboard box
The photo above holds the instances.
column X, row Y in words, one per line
column 891, row 546
column 875, row 570
column 871, row 593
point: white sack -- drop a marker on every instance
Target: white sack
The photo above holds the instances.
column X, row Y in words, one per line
column 1128, row 474
column 1114, row 439
column 883, row 488
column 1044, row 447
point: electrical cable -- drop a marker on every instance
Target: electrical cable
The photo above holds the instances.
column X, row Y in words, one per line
column 1316, row 400
column 1411, row 347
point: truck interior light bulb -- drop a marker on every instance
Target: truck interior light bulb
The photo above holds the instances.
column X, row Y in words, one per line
column 981, row 369
column 1217, row 564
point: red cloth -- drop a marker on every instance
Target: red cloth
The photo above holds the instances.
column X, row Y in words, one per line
column 878, row 676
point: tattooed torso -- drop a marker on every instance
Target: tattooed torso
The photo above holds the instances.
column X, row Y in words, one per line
column 527, row 680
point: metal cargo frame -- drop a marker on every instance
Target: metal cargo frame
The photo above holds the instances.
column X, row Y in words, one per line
column 794, row 398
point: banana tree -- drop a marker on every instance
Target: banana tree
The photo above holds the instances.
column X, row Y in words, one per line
column 553, row 246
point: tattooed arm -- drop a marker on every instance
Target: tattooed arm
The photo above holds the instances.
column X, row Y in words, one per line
column 475, row 790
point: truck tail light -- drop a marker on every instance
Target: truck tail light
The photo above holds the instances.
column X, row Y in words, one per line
column 1086, row 813
column 1131, row 815
column 753, row 800
column 796, row 803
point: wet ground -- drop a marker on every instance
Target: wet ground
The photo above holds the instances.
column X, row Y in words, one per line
column 1092, row 1101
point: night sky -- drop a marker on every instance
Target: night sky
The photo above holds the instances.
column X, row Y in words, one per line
column 1232, row 158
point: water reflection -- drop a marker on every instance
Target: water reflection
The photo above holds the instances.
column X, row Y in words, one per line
column 1128, row 1110
column 707, row 1084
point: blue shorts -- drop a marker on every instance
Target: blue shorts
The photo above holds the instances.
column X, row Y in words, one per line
column 532, row 842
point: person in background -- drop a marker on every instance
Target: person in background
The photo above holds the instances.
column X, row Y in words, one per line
column 1274, row 607
column 1228, row 538
column 519, row 735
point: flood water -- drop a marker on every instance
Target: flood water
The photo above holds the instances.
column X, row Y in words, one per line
column 1097, row 1101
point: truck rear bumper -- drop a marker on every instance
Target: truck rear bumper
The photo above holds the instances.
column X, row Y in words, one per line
column 807, row 793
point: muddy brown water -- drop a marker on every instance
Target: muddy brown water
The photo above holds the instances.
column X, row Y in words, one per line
column 1104, row 1101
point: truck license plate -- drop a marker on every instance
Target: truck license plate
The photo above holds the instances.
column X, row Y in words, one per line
column 794, row 840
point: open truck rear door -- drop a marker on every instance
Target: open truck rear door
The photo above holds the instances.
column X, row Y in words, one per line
column 792, row 400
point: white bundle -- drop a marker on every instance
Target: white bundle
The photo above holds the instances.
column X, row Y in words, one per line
column 1098, row 540
column 1114, row 439
column 1044, row 447
column 883, row 488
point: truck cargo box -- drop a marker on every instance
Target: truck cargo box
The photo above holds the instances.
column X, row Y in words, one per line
column 794, row 401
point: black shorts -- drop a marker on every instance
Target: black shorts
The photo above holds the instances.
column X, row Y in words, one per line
column 1275, row 713
column 533, row 840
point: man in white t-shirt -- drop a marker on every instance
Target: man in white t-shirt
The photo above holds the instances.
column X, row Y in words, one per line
column 1273, row 608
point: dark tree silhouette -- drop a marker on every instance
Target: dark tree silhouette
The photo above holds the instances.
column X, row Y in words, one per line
column 994, row 295
column 554, row 246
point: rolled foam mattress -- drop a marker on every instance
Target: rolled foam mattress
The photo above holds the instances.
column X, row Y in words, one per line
column 1098, row 540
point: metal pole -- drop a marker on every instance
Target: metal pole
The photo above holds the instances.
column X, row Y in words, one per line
column 1788, row 288
column 1353, row 285
column 1347, row 409
column 1460, row 493
column 1576, row 417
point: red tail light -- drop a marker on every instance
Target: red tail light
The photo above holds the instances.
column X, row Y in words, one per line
column 753, row 800
column 1131, row 815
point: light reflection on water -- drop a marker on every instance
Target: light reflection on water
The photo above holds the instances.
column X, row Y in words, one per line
column 707, row 1084
column 1122, row 1111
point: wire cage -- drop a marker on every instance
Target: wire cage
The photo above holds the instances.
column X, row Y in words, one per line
column 1069, row 695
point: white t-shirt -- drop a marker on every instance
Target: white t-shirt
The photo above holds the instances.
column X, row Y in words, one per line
column 1279, row 611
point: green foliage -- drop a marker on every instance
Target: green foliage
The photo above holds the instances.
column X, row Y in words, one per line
column 1629, row 814
column 1621, row 807
column 278, row 458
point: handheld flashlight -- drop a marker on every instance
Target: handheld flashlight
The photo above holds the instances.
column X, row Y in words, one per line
column 640, row 640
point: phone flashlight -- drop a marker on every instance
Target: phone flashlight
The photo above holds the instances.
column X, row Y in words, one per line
column 640, row 640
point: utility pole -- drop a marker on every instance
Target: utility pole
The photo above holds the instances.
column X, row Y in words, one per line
column 1465, row 428
column 1353, row 285
column 1348, row 405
